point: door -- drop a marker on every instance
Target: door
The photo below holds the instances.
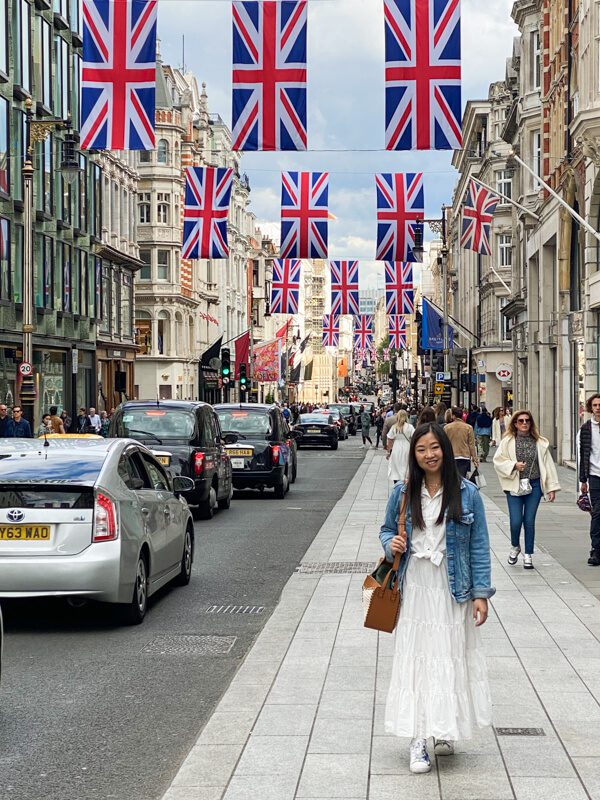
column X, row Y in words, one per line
column 169, row 514
column 224, row 464
column 211, row 450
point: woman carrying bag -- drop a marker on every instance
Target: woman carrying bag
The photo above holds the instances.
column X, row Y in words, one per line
column 526, row 471
column 439, row 686
column 398, row 445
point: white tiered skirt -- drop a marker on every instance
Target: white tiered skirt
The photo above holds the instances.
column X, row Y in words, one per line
column 439, row 684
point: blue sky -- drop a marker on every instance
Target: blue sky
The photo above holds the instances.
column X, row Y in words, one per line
column 345, row 106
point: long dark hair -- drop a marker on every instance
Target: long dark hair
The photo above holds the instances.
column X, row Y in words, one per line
column 451, row 501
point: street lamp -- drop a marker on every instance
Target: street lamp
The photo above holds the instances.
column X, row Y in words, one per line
column 37, row 131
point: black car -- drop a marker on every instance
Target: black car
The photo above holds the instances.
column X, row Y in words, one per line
column 264, row 455
column 318, row 429
column 186, row 437
column 339, row 421
column 349, row 414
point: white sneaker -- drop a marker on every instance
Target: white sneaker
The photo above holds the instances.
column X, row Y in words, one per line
column 443, row 747
column 527, row 561
column 419, row 757
column 513, row 555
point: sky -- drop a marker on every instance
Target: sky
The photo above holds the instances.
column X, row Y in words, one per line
column 345, row 107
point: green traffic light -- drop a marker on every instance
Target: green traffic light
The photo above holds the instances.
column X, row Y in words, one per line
column 225, row 370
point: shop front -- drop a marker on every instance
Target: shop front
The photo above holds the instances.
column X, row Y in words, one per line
column 115, row 376
column 210, row 391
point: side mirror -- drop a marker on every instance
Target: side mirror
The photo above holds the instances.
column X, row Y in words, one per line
column 182, row 484
column 230, row 438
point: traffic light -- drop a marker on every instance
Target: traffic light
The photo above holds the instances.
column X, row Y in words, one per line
column 243, row 378
column 226, row 365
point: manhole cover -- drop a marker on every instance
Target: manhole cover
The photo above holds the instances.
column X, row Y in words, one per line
column 235, row 609
column 336, row 567
column 189, row 645
column 520, row 731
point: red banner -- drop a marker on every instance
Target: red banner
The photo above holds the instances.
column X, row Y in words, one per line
column 267, row 357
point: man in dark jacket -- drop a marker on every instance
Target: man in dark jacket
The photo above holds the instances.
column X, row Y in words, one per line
column 483, row 432
column 589, row 471
column 6, row 423
column 21, row 426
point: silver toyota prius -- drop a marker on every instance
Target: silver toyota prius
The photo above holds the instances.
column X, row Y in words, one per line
column 91, row 518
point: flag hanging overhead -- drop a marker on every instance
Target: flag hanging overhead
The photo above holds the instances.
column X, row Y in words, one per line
column 399, row 288
column 400, row 209
column 397, row 331
column 304, row 214
column 207, row 194
column 331, row 330
column 478, row 212
column 363, row 331
column 118, row 75
column 344, row 287
column 285, row 289
column 422, row 75
column 269, row 75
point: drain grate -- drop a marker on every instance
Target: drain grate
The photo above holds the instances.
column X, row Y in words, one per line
column 229, row 609
column 520, row 731
column 189, row 645
column 335, row 567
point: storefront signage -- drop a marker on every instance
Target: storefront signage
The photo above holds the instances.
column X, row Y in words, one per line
column 504, row 372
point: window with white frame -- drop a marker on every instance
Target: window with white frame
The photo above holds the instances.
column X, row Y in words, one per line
column 503, row 326
column 536, row 157
column 163, row 207
column 504, row 183
column 536, row 60
column 144, row 207
column 162, row 152
column 163, row 265
column 505, row 250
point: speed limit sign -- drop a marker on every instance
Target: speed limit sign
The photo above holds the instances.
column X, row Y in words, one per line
column 25, row 368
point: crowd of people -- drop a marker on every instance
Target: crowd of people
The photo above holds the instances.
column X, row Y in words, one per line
column 14, row 426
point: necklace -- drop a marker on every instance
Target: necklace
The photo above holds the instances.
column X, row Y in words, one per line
column 433, row 488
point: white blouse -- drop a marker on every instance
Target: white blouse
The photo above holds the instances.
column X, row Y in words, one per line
column 430, row 542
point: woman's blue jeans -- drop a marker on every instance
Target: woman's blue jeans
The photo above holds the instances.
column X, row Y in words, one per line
column 522, row 511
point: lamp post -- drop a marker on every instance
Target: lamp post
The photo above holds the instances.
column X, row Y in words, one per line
column 36, row 131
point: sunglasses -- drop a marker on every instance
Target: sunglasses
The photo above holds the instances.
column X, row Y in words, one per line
column 524, row 421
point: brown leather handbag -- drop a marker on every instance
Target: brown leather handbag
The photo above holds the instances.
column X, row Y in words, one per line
column 381, row 589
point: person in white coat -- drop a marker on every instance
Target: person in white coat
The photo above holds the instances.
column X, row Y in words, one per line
column 398, row 445
column 499, row 426
column 524, row 453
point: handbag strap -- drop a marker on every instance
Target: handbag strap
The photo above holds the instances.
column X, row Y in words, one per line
column 533, row 462
column 401, row 528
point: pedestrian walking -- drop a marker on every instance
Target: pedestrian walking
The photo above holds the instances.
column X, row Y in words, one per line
column 390, row 419
column 439, row 686
column 365, row 425
column 427, row 415
column 6, row 426
column 440, row 413
column 104, row 424
column 66, row 421
column 499, row 424
column 56, row 423
column 21, row 426
column 379, row 423
column 526, row 471
column 589, row 471
column 483, row 432
column 398, row 446
column 472, row 416
column 44, row 427
column 462, row 439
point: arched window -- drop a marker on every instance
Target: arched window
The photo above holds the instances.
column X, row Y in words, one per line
column 162, row 151
column 144, row 207
column 143, row 331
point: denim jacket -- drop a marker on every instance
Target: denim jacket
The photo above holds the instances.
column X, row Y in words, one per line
column 467, row 544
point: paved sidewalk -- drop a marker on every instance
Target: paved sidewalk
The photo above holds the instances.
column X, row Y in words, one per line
column 303, row 716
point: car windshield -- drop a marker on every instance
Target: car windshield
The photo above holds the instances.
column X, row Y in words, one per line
column 245, row 421
column 157, row 423
column 344, row 409
column 308, row 418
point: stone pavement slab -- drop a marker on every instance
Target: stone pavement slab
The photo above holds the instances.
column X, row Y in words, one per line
column 303, row 717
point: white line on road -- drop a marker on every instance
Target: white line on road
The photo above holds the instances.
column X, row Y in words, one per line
column 294, row 508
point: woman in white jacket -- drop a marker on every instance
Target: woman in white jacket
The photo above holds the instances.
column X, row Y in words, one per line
column 499, row 425
column 523, row 453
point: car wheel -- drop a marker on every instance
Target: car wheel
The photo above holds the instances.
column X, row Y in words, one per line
column 225, row 503
column 135, row 611
column 334, row 445
column 186, row 560
column 281, row 488
column 206, row 510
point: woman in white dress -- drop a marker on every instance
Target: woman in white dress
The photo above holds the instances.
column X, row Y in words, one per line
column 439, row 686
column 398, row 445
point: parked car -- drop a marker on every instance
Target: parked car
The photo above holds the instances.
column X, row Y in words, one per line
column 349, row 414
column 186, row 437
column 95, row 519
column 263, row 456
column 318, row 429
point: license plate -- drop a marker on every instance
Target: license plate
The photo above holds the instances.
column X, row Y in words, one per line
column 241, row 452
column 166, row 460
column 25, row 532
column 313, row 430
column 237, row 463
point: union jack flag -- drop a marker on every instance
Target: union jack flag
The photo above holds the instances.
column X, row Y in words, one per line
column 344, row 287
column 118, row 77
column 397, row 330
column 304, row 214
column 331, row 330
column 363, row 331
column 269, row 75
column 422, row 75
column 285, row 288
column 478, row 212
column 207, row 193
column 400, row 209
column 399, row 288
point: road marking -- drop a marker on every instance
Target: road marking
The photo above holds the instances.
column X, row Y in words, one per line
column 293, row 508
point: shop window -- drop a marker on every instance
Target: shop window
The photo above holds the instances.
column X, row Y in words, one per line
column 67, row 278
column 143, row 332
column 164, row 331
column 43, row 60
column 18, row 138
column 163, row 265
column 162, row 151
column 105, row 325
column 144, row 207
column 4, row 137
column 4, row 259
column 126, row 305
column 4, row 36
column 61, row 77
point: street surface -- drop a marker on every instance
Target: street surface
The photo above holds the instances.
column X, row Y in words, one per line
column 90, row 709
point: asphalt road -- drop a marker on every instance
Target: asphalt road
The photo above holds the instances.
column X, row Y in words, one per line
column 89, row 709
